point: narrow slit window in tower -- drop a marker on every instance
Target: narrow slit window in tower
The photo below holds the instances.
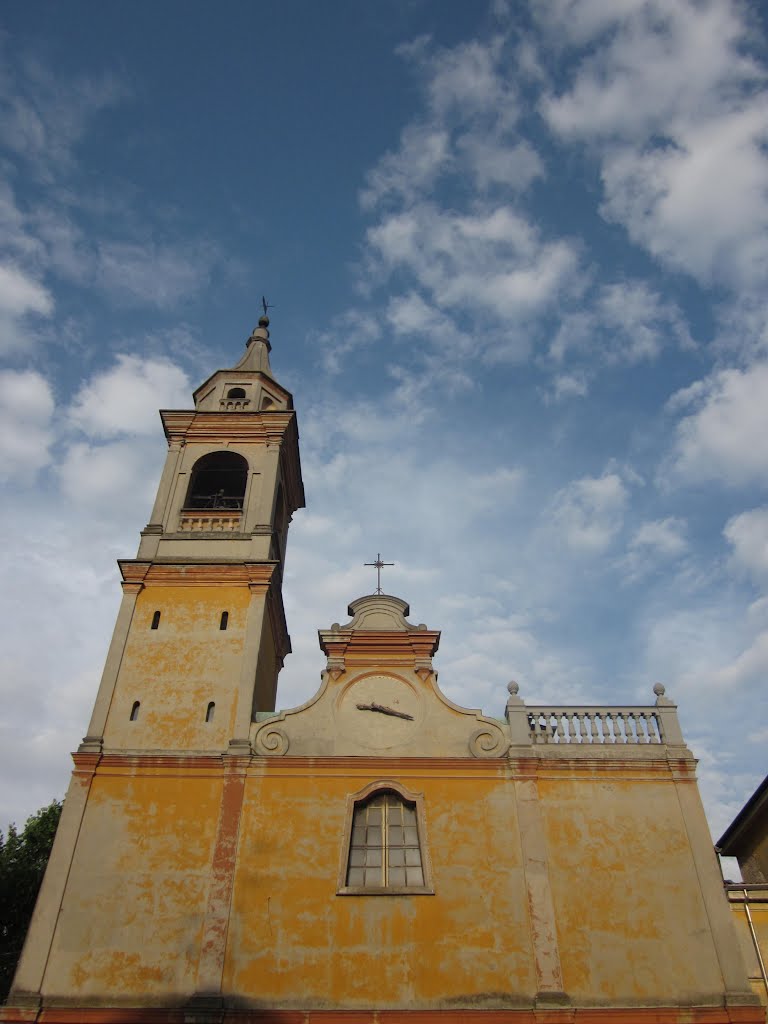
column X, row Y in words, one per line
column 156, row 620
column 224, row 620
column 209, row 712
column 135, row 710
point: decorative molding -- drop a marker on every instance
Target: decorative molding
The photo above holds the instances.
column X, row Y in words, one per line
column 488, row 741
column 83, row 1013
column 271, row 740
column 199, row 574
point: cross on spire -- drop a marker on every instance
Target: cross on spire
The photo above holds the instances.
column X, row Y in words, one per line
column 378, row 565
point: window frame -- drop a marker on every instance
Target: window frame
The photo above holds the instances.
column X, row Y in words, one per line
column 369, row 792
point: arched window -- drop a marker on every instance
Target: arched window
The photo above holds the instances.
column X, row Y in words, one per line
column 218, row 481
column 236, row 393
column 224, row 620
column 209, row 712
column 135, row 710
column 155, row 620
column 385, row 849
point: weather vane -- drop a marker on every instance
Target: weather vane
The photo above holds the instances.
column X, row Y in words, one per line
column 266, row 305
column 378, row 565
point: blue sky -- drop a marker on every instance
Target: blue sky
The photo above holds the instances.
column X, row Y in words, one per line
column 518, row 258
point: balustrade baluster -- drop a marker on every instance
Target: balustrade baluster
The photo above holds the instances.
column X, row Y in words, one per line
column 569, row 717
column 636, row 733
column 559, row 734
column 644, row 728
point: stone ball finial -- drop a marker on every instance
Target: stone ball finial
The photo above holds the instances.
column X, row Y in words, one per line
column 659, row 689
column 513, row 687
column 264, row 321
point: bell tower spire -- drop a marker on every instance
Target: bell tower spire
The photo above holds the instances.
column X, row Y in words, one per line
column 201, row 634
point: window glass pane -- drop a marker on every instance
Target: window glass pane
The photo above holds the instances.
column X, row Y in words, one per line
column 374, row 816
column 356, row 858
column 415, row 876
column 373, row 877
column 373, row 858
column 412, row 857
column 374, row 837
column 409, row 815
column 397, row 876
column 397, row 858
column 355, row 876
column 411, row 835
column 395, row 836
column 358, row 836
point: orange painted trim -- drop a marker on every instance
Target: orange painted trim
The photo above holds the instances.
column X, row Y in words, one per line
column 590, row 767
column 134, row 763
column 437, row 767
column 130, row 764
column 86, row 762
column 213, row 946
column 564, row 1015
column 363, row 645
column 212, row 427
column 191, row 574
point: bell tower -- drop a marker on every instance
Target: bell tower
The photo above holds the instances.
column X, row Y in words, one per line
column 201, row 635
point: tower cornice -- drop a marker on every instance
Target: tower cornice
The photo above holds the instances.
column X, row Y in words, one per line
column 199, row 574
column 233, row 426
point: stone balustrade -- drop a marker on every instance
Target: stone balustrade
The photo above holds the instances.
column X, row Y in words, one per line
column 213, row 520
column 587, row 728
column 234, row 404
column 595, row 725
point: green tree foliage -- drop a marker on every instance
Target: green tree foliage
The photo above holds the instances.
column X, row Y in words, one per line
column 23, row 856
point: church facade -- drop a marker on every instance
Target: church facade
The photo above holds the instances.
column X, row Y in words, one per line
column 378, row 854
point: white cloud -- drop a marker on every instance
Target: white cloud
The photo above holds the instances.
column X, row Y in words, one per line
column 352, row 330
column 723, row 439
column 672, row 201
column 43, row 116
column 494, row 160
column 628, row 322
column 125, row 398
column 567, row 385
column 463, row 80
column 152, row 274
column 423, row 155
column 410, row 314
column 490, row 261
column 26, row 409
column 589, row 513
column 659, row 64
column 675, row 107
column 747, row 534
column 21, row 295
column 120, row 473
column 663, row 536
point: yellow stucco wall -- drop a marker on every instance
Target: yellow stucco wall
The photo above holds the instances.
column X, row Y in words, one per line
column 758, row 909
column 630, row 922
column 132, row 914
column 625, row 887
column 175, row 671
column 293, row 941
